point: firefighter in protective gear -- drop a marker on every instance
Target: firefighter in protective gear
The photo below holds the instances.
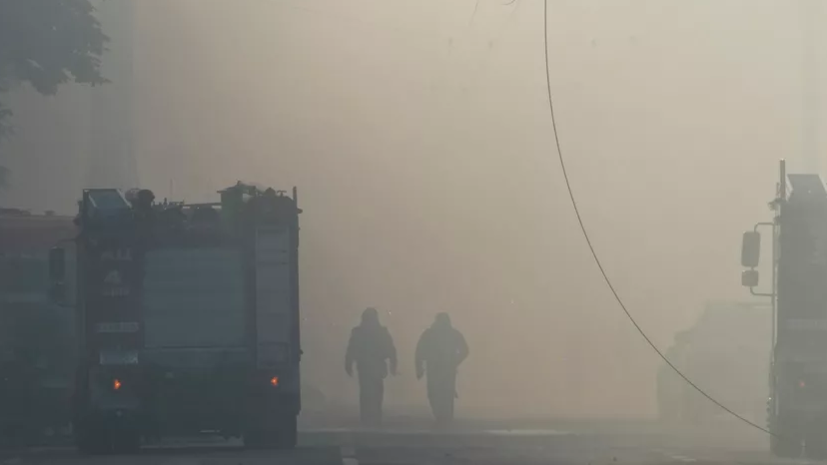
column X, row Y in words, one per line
column 371, row 348
column 440, row 351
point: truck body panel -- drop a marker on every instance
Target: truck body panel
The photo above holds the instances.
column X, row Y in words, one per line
column 193, row 298
column 801, row 336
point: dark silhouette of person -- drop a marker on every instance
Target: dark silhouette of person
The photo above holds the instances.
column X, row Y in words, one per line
column 439, row 352
column 371, row 349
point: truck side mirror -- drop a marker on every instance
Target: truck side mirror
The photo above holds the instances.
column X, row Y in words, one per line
column 57, row 264
column 749, row 278
column 750, row 249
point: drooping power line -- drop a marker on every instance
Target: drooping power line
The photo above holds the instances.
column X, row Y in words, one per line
column 596, row 258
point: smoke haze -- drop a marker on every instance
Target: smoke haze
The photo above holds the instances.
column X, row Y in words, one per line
column 419, row 136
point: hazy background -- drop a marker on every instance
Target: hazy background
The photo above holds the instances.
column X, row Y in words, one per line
column 419, row 136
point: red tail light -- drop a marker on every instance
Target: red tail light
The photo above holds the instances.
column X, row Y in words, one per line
column 116, row 384
column 274, row 381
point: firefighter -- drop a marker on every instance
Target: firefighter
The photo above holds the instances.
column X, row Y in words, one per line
column 439, row 352
column 371, row 348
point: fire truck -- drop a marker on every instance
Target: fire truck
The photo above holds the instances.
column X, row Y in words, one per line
column 188, row 318
column 797, row 404
column 36, row 337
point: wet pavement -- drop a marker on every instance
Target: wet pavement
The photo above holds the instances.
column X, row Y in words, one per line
column 493, row 443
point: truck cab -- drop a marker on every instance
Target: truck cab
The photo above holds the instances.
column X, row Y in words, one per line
column 797, row 290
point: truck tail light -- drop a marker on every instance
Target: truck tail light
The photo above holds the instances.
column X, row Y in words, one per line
column 274, row 381
column 116, row 384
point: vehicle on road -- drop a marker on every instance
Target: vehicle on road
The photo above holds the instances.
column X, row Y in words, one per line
column 36, row 337
column 188, row 318
column 797, row 405
column 725, row 353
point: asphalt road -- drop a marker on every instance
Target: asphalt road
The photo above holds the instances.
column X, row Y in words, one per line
column 485, row 444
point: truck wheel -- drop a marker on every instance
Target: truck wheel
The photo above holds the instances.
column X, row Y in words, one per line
column 788, row 448
column 784, row 442
column 89, row 441
column 815, row 447
column 126, row 442
column 254, row 438
column 288, row 434
column 94, row 437
column 273, row 434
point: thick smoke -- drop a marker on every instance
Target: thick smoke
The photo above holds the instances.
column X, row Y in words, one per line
column 418, row 134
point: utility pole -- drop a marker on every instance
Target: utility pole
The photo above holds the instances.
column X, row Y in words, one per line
column 811, row 153
column 111, row 160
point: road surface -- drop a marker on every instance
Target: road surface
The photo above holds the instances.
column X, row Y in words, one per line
column 485, row 445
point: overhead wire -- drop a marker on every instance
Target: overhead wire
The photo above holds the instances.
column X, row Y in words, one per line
column 594, row 254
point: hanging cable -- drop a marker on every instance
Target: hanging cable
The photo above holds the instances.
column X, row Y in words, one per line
column 596, row 258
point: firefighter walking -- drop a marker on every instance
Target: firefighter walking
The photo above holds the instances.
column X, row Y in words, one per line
column 439, row 352
column 371, row 349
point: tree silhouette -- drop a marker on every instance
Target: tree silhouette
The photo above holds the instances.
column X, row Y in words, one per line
column 46, row 43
